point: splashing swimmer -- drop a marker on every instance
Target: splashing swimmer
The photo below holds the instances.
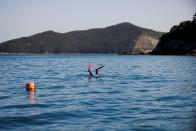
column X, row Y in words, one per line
column 96, row 70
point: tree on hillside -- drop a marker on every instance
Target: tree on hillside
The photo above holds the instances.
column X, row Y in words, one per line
column 194, row 16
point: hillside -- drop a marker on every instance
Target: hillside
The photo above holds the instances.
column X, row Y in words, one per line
column 123, row 38
column 181, row 40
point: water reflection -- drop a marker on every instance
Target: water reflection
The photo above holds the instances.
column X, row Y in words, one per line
column 89, row 81
column 31, row 97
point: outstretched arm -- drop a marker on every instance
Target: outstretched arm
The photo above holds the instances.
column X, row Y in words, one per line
column 97, row 70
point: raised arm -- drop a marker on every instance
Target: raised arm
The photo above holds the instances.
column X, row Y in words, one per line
column 97, row 70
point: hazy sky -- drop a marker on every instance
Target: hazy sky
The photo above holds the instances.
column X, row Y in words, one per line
column 20, row 18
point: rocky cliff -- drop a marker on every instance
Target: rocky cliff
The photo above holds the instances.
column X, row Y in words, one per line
column 181, row 40
column 123, row 38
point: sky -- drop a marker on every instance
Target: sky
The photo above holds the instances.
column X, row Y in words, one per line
column 20, row 18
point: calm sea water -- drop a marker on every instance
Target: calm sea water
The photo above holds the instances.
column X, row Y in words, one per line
column 131, row 93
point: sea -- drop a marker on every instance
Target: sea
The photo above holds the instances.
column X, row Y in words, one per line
column 131, row 92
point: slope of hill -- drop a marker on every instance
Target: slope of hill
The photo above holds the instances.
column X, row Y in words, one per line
column 123, row 38
column 181, row 40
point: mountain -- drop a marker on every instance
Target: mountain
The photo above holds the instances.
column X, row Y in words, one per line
column 181, row 40
column 123, row 38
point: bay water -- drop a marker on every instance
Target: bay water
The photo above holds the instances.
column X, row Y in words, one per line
column 133, row 92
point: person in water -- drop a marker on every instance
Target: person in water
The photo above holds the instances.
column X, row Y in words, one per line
column 96, row 70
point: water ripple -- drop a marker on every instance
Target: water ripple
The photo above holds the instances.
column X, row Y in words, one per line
column 130, row 93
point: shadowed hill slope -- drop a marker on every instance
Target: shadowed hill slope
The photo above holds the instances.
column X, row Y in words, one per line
column 124, row 38
column 181, row 40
